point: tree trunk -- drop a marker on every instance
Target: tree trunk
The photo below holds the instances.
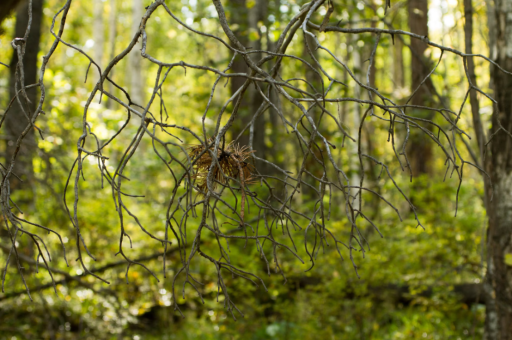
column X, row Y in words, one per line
column 244, row 22
column 419, row 150
column 135, row 59
column 355, row 121
column 398, row 64
column 6, row 9
column 491, row 325
column 98, row 32
column 499, row 250
column 16, row 120
column 111, row 48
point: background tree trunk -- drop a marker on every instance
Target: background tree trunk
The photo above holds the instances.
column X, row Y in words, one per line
column 488, row 294
column 135, row 59
column 6, row 9
column 419, row 149
column 398, row 64
column 111, row 47
column 98, row 32
column 16, row 121
column 244, row 22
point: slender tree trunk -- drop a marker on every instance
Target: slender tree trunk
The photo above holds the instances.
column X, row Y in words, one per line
column 112, row 47
column 491, row 325
column 355, row 121
column 398, row 64
column 238, row 19
column 419, row 150
column 16, row 121
column 257, row 14
column 500, row 165
column 313, row 86
column 470, row 64
column 491, row 316
column 491, row 25
column 311, row 76
column 369, row 49
column 98, row 31
column 135, row 59
column 273, row 119
column 244, row 22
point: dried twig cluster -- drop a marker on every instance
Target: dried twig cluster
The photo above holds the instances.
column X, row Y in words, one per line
column 230, row 162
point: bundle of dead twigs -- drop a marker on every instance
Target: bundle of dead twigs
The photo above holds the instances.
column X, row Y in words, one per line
column 231, row 160
column 231, row 164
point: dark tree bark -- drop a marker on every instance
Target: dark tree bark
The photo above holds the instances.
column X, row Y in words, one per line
column 419, row 149
column 311, row 76
column 487, row 287
column 244, row 22
column 398, row 64
column 499, row 273
column 470, row 64
column 7, row 7
column 16, row 121
column 314, row 85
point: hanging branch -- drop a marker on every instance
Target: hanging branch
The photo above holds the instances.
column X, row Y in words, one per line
column 211, row 176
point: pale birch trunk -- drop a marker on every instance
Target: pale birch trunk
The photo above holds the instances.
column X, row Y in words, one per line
column 135, row 58
column 98, row 31
column 112, row 46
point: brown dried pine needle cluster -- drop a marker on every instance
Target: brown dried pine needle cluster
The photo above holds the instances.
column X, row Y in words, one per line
column 231, row 162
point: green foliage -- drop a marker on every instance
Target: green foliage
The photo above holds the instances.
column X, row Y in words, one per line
column 326, row 302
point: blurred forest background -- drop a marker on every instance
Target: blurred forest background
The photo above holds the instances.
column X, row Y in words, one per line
column 414, row 283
